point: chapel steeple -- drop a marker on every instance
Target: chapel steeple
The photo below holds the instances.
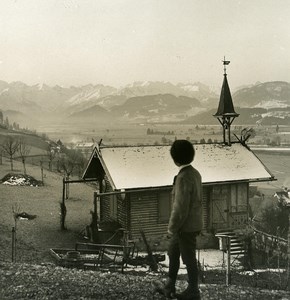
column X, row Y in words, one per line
column 226, row 112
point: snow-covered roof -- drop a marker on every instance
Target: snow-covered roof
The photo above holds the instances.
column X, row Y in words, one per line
column 152, row 166
column 84, row 145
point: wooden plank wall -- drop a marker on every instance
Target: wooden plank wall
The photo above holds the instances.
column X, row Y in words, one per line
column 122, row 207
column 140, row 211
column 105, row 203
column 205, row 208
column 144, row 215
column 123, row 212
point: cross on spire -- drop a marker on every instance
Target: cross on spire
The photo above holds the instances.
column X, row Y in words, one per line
column 225, row 63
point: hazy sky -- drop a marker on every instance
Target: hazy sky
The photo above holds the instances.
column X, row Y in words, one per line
column 116, row 42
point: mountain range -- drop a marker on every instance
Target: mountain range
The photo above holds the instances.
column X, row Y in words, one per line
column 265, row 103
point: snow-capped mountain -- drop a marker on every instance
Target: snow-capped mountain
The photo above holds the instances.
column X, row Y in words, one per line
column 90, row 92
column 265, row 95
column 153, row 101
column 195, row 90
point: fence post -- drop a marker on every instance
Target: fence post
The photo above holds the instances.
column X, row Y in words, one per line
column 13, row 244
column 228, row 271
column 67, row 187
column 62, row 205
column 288, row 249
column 41, row 170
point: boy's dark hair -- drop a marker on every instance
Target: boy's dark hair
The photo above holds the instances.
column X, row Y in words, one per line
column 182, row 152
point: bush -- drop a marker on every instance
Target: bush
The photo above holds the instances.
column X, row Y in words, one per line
column 275, row 220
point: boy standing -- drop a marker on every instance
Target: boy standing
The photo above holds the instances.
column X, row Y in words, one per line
column 185, row 222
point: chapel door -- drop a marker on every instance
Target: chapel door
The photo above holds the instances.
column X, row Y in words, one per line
column 220, row 207
column 238, row 212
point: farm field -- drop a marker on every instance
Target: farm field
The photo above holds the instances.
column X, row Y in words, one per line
column 278, row 164
column 161, row 133
column 130, row 134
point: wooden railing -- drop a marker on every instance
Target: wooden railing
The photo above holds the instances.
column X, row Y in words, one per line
column 273, row 245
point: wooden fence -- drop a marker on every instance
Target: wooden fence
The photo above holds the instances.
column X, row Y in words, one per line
column 270, row 244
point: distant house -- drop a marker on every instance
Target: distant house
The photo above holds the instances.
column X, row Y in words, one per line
column 85, row 147
column 142, row 178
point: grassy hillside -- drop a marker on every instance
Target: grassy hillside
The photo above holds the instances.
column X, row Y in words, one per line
column 38, row 144
column 35, row 237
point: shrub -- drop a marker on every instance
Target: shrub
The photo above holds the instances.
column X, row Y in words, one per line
column 275, row 220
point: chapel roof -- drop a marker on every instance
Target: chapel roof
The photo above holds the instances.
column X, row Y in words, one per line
column 130, row 167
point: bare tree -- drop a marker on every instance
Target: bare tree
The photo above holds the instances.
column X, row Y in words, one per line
column 23, row 150
column 69, row 162
column 1, row 117
column 246, row 134
column 51, row 153
column 10, row 147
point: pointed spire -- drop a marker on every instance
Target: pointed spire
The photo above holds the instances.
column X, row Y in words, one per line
column 226, row 106
column 226, row 112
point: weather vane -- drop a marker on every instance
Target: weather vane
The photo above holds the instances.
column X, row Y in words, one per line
column 225, row 63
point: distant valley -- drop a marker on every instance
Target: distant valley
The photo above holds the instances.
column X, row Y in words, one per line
column 144, row 102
